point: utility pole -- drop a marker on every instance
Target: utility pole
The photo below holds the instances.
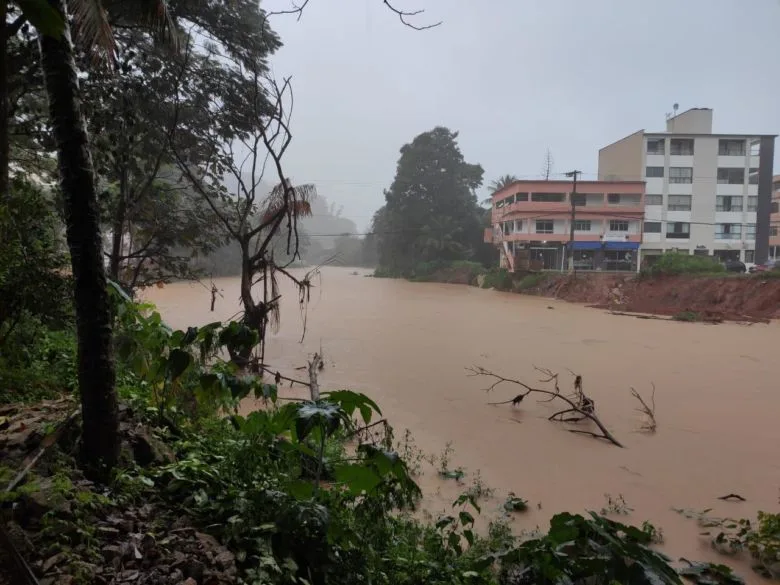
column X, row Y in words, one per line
column 573, row 197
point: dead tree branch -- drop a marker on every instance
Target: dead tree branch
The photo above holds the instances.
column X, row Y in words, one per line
column 403, row 15
column 316, row 364
column 648, row 410
column 581, row 407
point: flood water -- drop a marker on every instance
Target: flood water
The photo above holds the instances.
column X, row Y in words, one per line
column 407, row 345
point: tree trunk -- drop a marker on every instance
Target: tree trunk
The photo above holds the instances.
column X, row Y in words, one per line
column 4, row 138
column 117, row 235
column 100, row 437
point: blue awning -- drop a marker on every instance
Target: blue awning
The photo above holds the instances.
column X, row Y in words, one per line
column 585, row 245
column 621, row 245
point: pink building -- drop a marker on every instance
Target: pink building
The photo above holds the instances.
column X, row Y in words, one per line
column 774, row 220
column 536, row 216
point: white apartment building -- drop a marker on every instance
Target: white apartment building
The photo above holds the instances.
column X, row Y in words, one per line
column 706, row 193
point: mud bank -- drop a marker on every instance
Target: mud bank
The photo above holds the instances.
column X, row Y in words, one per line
column 734, row 298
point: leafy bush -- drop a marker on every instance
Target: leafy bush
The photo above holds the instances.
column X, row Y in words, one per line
column 672, row 263
column 530, row 281
column 499, row 279
column 33, row 280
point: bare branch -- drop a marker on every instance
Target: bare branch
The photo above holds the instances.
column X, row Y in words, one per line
column 649, row 426
column 581, row 406
column 404, row 15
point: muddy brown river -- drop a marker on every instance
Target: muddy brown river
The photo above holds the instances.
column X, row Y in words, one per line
column 407, row 345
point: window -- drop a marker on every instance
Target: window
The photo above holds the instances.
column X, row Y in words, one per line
column 544, row 226
column 750, row 231
column 679, row 203
column 652, row 227
column 773, row 230
column 617, row 225
column 727, row 203
column 579, row 199
column 728, row 231
column 548, row 197
column 775, row 206
column 654, row 199
column 656, row 146
column 753, row 177
column 681, row 146
column 654, row 172
column 680, row 175
column 755, row 147
column 521, row 196
column 728, row 147
column 507, row 227
column 678, row 230
column 582, row 225
column 752, row 204
column 613, row 198
column 750, row 256
column 731, row 176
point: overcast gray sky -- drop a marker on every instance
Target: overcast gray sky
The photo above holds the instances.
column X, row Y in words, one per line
column 514, row 77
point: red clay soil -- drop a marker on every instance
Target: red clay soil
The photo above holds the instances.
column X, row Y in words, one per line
column 734, row 298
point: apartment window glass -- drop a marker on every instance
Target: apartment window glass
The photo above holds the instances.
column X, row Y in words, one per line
column 728, row 203
column 521, row 196
column 613, row 198
column 753, row 177
column 775, row 206
column 507, row 225
column 579, row 199
column 654, row 199
column 731, row 176
column 755, row 147
column 518, row 225
column 656, row 146
column 548, row 197
column 582, row 225
column 750, row 256
column 773, row 230
column 652, row 227
column 618, row 225
column 544, row 226
column 750, row 231
column 752, row 204
column 678, row 230
column 728, row 231
column 681, row 146
column 679, row 203
column 728, row 147
column 681, row 175
column 654, row 172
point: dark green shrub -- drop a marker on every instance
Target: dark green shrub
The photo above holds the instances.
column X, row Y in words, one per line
column 676, row 263
column 499, row 279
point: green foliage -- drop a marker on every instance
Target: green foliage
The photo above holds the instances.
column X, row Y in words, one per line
column 688, row 316
column 499, row 279
column 588, row 550
column 33, row 283
column 431, row 211
column 515, row 504
column 672, row 263
column 530, row 281
column 709, row 574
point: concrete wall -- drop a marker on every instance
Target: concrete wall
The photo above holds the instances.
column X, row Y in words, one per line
column 693, row 121
column 623, row 160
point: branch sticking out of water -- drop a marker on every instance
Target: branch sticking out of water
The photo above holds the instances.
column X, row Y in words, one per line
column 581, row 407
column 648, row 410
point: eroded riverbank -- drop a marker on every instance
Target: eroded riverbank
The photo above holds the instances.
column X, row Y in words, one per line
column 407, row 345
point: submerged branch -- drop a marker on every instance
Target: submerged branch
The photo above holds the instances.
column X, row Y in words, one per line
column 580, row 404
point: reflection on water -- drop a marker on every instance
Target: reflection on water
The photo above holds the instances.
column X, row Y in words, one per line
column 407, row 345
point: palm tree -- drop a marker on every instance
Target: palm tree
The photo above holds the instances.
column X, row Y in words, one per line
column 96, row 375
column 498, row 184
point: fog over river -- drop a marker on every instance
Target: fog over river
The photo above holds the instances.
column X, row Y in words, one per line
column 407, row 346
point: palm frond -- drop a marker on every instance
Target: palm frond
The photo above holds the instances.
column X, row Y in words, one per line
column 158, row 17
column 93, row 31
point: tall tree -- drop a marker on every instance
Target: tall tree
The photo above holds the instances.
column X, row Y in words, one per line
column 100, row 440
column 433, row 192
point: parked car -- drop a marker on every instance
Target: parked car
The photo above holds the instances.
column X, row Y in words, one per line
column 735, row 266
column 771, row 265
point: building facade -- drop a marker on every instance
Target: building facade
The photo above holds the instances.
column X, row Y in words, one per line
column 532, row 220
column 774, row 221
column 706, row 193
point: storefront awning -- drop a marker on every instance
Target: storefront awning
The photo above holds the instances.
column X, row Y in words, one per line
column 621, row 245
column 585, row 245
